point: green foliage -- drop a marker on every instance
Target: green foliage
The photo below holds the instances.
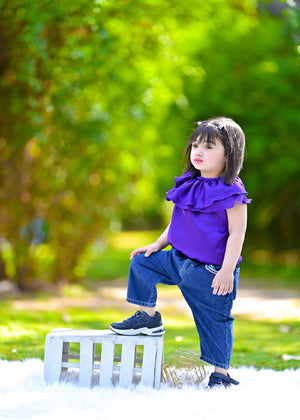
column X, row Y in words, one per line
column 110, row 259
column 98, row 97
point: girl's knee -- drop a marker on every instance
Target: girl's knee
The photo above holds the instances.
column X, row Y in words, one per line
column 137, row 260
column 141, row 264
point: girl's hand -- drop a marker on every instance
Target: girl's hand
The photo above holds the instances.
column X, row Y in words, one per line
column 223, row 282
column 148, row 249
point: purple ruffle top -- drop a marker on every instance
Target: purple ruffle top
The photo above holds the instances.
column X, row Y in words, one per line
column 199, row 226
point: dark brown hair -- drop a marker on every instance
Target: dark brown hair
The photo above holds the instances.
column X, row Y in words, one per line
column 230, row 134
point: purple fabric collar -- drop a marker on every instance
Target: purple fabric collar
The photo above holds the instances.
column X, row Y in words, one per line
column 206, row 194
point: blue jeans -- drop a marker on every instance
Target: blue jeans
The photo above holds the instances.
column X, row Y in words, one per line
column 212, row 313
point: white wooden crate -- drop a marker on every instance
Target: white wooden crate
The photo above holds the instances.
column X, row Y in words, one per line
column 95, row 356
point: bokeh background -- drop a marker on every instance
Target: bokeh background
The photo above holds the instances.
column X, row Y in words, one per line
column 97, row 101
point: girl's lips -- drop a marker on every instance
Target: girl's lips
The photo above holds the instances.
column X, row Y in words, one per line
column 198, row 160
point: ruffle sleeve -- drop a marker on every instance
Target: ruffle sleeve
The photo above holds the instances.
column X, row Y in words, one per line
column 206, row 194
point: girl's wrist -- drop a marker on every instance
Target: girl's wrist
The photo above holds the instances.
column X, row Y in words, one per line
column 228, row 269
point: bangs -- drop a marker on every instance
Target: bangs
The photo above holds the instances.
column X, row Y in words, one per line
column 205, row 133
column 205, row 139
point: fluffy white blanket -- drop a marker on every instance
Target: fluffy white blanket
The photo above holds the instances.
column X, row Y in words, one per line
column 263, row 394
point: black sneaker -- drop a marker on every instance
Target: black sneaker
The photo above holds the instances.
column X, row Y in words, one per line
column 220, row 380
column 139, row 323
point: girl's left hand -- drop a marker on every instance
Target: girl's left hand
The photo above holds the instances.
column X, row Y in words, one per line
column 223, row 282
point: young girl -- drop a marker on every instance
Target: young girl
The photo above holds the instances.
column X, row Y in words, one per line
column 206, row 233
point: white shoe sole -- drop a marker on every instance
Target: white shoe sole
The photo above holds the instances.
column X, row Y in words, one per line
column 145, row 331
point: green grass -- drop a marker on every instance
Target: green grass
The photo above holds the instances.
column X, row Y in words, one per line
column 259, row 343
column 256, row 343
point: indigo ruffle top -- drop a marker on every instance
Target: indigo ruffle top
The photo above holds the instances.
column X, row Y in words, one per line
column 199, row 226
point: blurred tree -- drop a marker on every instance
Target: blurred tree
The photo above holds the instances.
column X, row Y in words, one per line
column 96, row 101
column 77, row 114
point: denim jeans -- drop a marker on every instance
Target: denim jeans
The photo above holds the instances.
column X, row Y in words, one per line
column 212, row 313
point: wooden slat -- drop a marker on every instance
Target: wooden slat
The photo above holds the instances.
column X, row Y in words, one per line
column 148, row 366
column 159, row 362
column 86, row 361
column 107, row 362
column 53, row 358
column 127, row 363
column 70, row 365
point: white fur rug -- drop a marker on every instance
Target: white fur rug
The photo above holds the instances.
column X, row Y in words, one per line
column 263, row 394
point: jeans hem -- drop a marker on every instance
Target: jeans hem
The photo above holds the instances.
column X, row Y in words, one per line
column 211, row 362
column 140, row 303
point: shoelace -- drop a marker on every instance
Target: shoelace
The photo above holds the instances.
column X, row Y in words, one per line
column 137, row 314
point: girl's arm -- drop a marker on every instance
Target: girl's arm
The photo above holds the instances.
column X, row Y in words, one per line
column 237, row 222
column 158, row 245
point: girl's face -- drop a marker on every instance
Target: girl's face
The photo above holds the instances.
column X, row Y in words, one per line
column 208, row 158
